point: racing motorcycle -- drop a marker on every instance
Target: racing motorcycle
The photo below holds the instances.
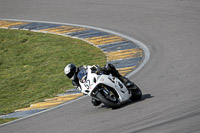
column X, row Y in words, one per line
column 106, row 89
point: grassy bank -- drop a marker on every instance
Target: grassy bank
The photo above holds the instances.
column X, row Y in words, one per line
column 31, row 66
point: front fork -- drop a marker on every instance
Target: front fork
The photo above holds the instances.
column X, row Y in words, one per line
column 109, row 94
column 106, row 92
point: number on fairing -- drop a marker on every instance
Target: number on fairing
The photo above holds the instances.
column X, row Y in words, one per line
column 87, row 84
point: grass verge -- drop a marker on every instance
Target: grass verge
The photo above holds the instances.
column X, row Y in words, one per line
column 31, row 66
column 6, row 120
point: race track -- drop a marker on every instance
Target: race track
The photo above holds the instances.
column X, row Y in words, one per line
column 169, row 81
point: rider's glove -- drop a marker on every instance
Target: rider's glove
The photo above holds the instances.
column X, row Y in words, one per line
column 96, row 69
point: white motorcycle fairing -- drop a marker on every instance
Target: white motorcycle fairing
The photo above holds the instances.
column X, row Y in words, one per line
column 91, row 82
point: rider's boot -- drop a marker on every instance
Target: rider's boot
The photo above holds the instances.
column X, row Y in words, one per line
column 126, row 82
column 95, row 102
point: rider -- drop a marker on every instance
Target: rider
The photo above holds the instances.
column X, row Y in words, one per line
column 71, row 72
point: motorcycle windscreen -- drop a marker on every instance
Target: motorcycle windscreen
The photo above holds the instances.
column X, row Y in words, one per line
column 82, row 75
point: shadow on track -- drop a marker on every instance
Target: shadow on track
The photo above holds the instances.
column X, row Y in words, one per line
column 144, row 97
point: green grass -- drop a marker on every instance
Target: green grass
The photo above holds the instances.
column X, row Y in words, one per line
column 31, row 66
column 6, row 120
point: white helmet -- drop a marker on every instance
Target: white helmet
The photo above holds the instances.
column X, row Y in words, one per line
column 70, row 71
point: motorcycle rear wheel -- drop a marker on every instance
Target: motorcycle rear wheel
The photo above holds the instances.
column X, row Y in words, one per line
column 136, row 94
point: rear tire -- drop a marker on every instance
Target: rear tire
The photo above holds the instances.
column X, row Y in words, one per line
column 136, row 94
column 106, row 101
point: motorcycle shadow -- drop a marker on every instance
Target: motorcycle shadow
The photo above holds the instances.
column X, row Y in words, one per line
column 129, row 102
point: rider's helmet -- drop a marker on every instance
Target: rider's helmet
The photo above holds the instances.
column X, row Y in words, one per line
column 70, row 71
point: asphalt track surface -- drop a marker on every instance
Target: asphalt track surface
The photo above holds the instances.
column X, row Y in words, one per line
column 169, row 81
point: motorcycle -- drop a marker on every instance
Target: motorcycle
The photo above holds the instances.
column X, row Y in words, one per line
column 106, row 89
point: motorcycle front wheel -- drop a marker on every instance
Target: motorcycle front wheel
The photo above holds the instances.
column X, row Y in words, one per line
column 106, row 101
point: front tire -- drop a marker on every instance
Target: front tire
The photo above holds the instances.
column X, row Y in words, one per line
column 106, row 101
